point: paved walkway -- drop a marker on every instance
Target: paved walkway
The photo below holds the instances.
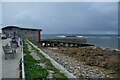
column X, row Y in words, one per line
column 10, row 67
column 0, row 59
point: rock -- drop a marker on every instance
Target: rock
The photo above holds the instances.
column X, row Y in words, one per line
column 52, row 72
column 71, row 67
column 73, row 64
column 103, row 64
column 112, row 72
column 71, row 71
column 107, row 76
column 37, row 58
column 42, row 64
column 50, row 76
column 100, row 54
column 78, row 67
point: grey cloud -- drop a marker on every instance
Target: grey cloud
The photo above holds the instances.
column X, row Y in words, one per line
column 81, row 17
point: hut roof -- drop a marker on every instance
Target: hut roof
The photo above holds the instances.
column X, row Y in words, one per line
column 9, row 27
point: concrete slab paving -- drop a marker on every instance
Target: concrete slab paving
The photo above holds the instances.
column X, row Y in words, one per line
column 10, row 67
column 0, row 59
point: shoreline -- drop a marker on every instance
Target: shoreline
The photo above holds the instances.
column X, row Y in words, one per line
column 102, row 40
column 105, row 48
column 104, row 62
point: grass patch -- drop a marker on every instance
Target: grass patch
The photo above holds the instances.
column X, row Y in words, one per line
column 49, row 66
column 32, row 70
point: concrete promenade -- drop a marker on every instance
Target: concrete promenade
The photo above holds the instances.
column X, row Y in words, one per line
column 10, row 67
column 0, row 59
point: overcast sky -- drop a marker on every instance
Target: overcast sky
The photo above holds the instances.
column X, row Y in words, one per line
column 63, row 17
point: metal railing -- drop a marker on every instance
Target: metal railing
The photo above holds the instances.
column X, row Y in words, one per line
column 23, row 71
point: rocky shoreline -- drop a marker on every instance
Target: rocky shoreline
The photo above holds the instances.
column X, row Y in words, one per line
column 86, row 62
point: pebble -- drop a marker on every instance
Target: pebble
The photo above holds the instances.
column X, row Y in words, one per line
column 42, row 64
column 52, row 72
column 75, row 67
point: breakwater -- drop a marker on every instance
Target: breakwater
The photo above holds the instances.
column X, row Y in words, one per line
column 63, row 42
column 66, row 42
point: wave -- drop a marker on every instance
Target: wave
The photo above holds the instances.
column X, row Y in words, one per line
column 80, row 36
column 106, row 48
column 61, row 36
column 90, row 37
column 70, row 36
column 104, row 37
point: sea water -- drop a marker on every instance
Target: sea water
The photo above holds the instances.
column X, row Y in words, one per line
column 105, row 41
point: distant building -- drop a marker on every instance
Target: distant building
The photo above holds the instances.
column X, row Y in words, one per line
column 28, row 33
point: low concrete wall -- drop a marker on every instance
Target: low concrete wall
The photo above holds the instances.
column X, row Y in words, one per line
column 57, row 65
